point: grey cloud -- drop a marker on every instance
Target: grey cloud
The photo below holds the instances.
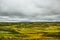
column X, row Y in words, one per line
column 30, row 9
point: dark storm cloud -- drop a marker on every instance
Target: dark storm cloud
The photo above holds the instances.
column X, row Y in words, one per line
column 30, row 9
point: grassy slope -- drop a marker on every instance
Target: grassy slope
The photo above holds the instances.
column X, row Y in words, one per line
column 29, row 30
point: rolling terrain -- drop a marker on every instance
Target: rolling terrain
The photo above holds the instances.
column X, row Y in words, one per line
column 29, row 30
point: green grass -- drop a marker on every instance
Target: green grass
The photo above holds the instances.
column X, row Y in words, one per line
column 29, row 30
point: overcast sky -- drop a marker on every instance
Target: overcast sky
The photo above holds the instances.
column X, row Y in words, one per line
column 29, row 10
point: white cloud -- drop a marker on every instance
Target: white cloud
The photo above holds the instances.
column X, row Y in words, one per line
column 29, row 10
